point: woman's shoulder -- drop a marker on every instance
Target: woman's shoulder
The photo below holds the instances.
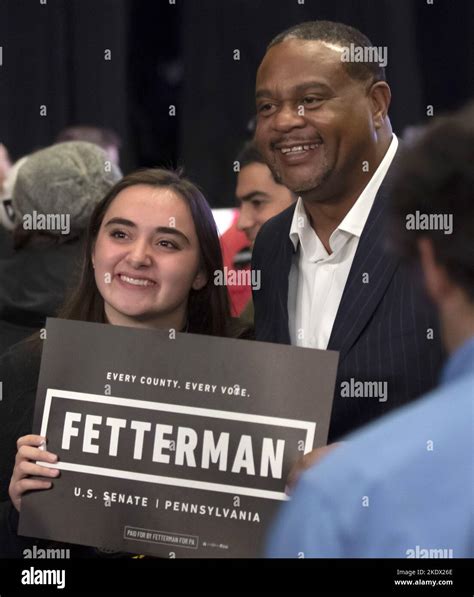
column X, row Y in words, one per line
column 26, row 351
column 20, row 365
column 19, row 371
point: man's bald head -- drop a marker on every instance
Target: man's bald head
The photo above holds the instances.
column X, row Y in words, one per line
column 341, row 36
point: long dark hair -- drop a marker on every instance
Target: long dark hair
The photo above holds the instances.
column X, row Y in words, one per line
column 208, row 308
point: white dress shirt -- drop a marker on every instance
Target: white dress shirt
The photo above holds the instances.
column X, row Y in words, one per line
column 317, row 279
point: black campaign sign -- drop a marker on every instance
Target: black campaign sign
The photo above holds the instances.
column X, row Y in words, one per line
column 174, row 445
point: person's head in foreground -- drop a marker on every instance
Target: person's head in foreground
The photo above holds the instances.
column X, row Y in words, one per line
column 402, row 487
column 259, row 196
column 319, row 116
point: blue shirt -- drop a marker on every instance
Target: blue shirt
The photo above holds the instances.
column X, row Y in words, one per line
column 402, row 487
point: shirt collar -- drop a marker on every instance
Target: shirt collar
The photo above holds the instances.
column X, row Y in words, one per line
column 355, row 219
column 299, row 223
column 459, row 363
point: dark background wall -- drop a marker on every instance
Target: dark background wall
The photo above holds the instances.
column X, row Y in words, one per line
column 181, row 55
column 54, row 55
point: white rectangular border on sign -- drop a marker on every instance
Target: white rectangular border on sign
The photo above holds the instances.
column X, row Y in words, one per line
column 174, row 408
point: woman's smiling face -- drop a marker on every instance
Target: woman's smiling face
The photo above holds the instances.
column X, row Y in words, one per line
column 147, row 258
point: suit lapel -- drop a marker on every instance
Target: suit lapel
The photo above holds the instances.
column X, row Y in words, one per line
column 370, row 274
column 283, row 265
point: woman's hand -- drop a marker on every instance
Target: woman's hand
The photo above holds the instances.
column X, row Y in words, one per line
column 306, row 462
column 29, row 451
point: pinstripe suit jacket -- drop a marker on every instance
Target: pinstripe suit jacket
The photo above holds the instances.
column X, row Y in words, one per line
column 385, row 329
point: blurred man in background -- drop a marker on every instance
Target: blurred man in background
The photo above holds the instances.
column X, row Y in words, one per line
column 258, row 194
column 5, row 164
column 5, row 217
column 103, row 137
column 259, row 198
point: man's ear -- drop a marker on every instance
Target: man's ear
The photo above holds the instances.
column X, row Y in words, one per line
column 200, row 280
column 437, row 282
column 380, row 96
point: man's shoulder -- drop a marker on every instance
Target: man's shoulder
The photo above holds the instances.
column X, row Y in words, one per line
column 396, row 445
column 429, row 411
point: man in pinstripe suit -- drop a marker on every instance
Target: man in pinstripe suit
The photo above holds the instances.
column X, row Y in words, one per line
column 327, row 278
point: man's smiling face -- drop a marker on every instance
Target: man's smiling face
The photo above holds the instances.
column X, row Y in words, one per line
column 314, row 122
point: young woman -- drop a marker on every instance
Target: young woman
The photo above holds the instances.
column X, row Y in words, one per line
column 150, row 255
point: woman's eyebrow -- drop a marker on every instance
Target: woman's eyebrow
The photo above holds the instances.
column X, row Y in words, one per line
column 172, row 230
column 122, row 221
column 162, row 229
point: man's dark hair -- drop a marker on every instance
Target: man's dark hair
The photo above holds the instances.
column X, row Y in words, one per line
column 434, row 175
column 340, row 35
column 249, row 154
